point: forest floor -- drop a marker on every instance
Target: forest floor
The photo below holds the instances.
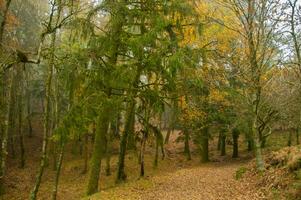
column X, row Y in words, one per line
column 214, row 181
column 174, row 178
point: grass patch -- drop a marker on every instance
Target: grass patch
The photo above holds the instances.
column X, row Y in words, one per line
column 240, row 172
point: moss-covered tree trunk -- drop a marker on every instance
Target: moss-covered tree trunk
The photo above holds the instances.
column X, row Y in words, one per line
column 47, row 101
column 108, row 150
column 9, row 96
column 256, row 76
column 235, row 136
column 156, row 154
column 223, row 144
column 250, row 137
column 13, row 119
column 6, row 103
column 223, row 138
column 250, row 144
column 86, row 153
column 99, row 149
column 289, row 138
column 34, row 192
column 219, row 141
column 204, row 144
column 130, row 111
column 142, row 150
column 186, row 145
column 258, row 154
column 28, row 105
column 20, row 117
column 131, row 138
column 58, row 170
column 297, row 136
column 172, row 120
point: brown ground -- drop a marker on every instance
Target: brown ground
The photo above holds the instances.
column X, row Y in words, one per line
column 207, row 182
column 175, row 178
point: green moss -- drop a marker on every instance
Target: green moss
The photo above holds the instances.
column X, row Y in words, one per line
column 240, row 172
column 276, row 194
column 298, row 174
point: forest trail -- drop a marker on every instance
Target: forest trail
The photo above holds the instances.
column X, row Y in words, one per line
column 212, row 181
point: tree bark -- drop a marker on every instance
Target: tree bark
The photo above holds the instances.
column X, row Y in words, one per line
column 142, row 150
column 258, row 154
column 250, row 144
column 99, row 149
column 6, row 133
column 28, row 105
column 20, row 117
column 108, row 150
column 13, row 119
column 130, row 111
column 47, row 113
column 289, row 139
column 223, row 144
column 235, row 136
column 297, row 136
column 131, row 138
column 58, row 170
column 204, row 145
column 121, row 176
column 219, row 141
column 86, row 153
column 171, row 121
column 33, row 194
column 186, row 145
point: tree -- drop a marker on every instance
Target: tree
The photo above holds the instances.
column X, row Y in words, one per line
column 258, row 31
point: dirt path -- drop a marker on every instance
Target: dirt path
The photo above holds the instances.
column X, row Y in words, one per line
column 209, row 182
column 214, row 181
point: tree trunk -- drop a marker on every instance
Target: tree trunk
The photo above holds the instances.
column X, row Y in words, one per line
column 263, row 142
column 6, row 133
column 33, row 195
column 58, row 171
column 204, row 145
column 121, row 176
column 250, row 137
column 223, row 144
column 258, row 154
column 13, row 106
column 46, row 128
column 168, row 135
column 53, row 152
column 99, row 150
column 289, row 139
column 297, row 136
column 156, row 153
column 142, row 150
column 130, row 111
column 116, row 126
column 235, row 136
column 86, row 153
column 108, row 150
column 20, row 118
column 171, row 122
column 186, row 145
column 131, row 138
column 250, row 144
column 219, row 141
column 28, row 106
